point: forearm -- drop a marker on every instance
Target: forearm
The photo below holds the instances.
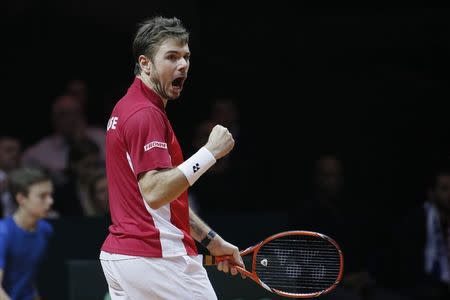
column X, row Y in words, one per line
column 199, row 229
column 161, row 187
column 217, row 246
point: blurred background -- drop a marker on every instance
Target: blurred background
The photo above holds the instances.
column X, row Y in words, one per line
column 338, row 113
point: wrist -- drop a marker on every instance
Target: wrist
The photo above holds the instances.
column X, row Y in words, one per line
column 211, row 150
column 208, row 239
column 215, row 244
column 197, row 164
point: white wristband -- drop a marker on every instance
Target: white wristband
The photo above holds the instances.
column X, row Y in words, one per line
column 197, row 164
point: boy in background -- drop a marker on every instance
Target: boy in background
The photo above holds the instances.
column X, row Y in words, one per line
column 24, row 235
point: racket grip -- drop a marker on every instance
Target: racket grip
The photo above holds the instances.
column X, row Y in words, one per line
column 210, row 260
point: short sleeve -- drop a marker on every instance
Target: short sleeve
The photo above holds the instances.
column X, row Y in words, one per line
column 3, row 243
column 145, row 137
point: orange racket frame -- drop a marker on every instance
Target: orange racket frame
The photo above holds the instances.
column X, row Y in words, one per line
column 214, row 260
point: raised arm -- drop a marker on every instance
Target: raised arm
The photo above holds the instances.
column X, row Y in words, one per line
column 160, row 187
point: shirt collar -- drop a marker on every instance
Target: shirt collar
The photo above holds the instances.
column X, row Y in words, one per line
column 150, row 94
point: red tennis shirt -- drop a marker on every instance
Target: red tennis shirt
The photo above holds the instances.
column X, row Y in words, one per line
column 140, row 138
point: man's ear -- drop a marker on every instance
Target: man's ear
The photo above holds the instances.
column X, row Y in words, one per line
column 145, row 64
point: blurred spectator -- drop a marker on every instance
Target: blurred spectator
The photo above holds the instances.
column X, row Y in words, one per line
column 225, row 112
column 98, row 190
column 69, row 123
column 418, row 255
column 10, row 156
column 78, row 89
column 10, row 152
column 73, row 197
column 327, row 199
column 329, row 207
column 24, row 236
column 232, row 178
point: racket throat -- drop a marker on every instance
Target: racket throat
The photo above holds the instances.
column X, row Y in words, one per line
column 264, row 285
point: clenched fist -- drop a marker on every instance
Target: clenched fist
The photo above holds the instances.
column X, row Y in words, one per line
column 220, row 142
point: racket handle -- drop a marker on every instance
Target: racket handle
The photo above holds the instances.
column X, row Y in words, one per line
column 210, row 260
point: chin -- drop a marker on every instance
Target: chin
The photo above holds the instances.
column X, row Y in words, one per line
column 174, row 95
column 44, row 215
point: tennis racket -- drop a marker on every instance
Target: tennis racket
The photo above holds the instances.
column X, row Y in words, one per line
column 294, row 264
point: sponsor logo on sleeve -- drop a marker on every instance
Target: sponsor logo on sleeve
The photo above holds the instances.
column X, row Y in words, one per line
column 155, row 144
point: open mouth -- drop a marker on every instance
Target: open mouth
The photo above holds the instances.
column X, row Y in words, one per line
column 178, row 82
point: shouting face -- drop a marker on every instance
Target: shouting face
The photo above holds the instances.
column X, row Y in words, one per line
column 169, row 68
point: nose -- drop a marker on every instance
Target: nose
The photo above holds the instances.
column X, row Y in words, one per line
column 183, row 64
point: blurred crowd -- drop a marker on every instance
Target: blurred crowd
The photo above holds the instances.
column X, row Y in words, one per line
column 72, row 154
column 409, row 260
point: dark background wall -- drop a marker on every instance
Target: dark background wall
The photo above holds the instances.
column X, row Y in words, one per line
column 369, row 83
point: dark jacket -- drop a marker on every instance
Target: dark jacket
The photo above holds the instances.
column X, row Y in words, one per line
column 403, row 266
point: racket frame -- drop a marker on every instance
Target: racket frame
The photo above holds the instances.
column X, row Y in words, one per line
column 213, row 260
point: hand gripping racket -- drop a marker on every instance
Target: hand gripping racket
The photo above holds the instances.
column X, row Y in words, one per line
column 294, row 264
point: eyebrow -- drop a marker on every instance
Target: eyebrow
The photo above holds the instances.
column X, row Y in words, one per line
column 176, row 52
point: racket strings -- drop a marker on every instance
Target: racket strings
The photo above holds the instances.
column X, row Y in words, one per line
column 298, row 264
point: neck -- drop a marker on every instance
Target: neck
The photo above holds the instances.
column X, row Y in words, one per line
column 25, row 220
column 151, row 85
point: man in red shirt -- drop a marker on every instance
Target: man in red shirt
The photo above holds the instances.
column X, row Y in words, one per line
column 150, row 251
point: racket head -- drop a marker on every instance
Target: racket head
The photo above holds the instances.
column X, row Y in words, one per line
column 297, row 264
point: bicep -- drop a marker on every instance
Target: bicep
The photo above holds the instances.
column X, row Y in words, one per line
column 147, row 179
column 160, row 187
column 160, row 178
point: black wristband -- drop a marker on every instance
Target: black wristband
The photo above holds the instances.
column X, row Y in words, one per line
column 205, row 242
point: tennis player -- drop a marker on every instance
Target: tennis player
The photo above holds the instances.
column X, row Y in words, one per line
column 150, row 252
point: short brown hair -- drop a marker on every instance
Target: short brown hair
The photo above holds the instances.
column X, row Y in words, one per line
column 152, row 33
column 20, row 180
